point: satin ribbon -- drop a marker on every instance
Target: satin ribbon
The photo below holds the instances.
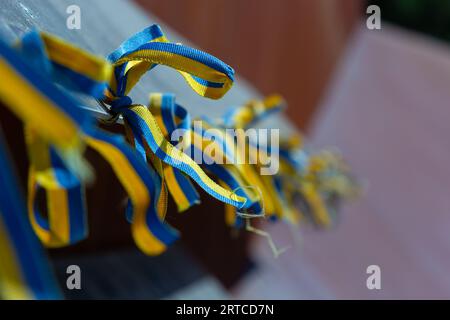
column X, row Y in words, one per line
column 25, row 272
column 207, row 75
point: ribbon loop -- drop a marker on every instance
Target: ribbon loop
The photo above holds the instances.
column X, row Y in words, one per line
column 205, row 74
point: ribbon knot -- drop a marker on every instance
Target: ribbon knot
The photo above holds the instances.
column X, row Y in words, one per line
column 119, row 105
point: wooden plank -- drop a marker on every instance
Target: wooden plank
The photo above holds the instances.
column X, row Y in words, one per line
column 128, row 274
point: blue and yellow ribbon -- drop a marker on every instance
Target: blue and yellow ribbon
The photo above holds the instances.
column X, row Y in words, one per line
column 24, row 270
column 66, row 207
column 57, row 132
column 171, row 117
column 149, row 231
column 76, row 70
column 252, row 112
column 207, row 75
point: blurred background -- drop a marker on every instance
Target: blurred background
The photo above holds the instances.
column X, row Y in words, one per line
column 291, row 47
column 380, row 96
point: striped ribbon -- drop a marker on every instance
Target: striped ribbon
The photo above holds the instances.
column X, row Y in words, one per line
column 57, row 132
column 56, row 169
column 252, row 112
column 306, row 185
column 207, row 76
column 88, row 74
column 236, row 172
column 52, row 107
column 167, row 113
column 24, row 270
column 171, row 117
column 66, row 208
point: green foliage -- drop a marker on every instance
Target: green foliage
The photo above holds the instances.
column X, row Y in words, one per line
column 428, row 16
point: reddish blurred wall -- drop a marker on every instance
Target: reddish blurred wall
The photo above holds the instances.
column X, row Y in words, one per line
column 289, row 47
